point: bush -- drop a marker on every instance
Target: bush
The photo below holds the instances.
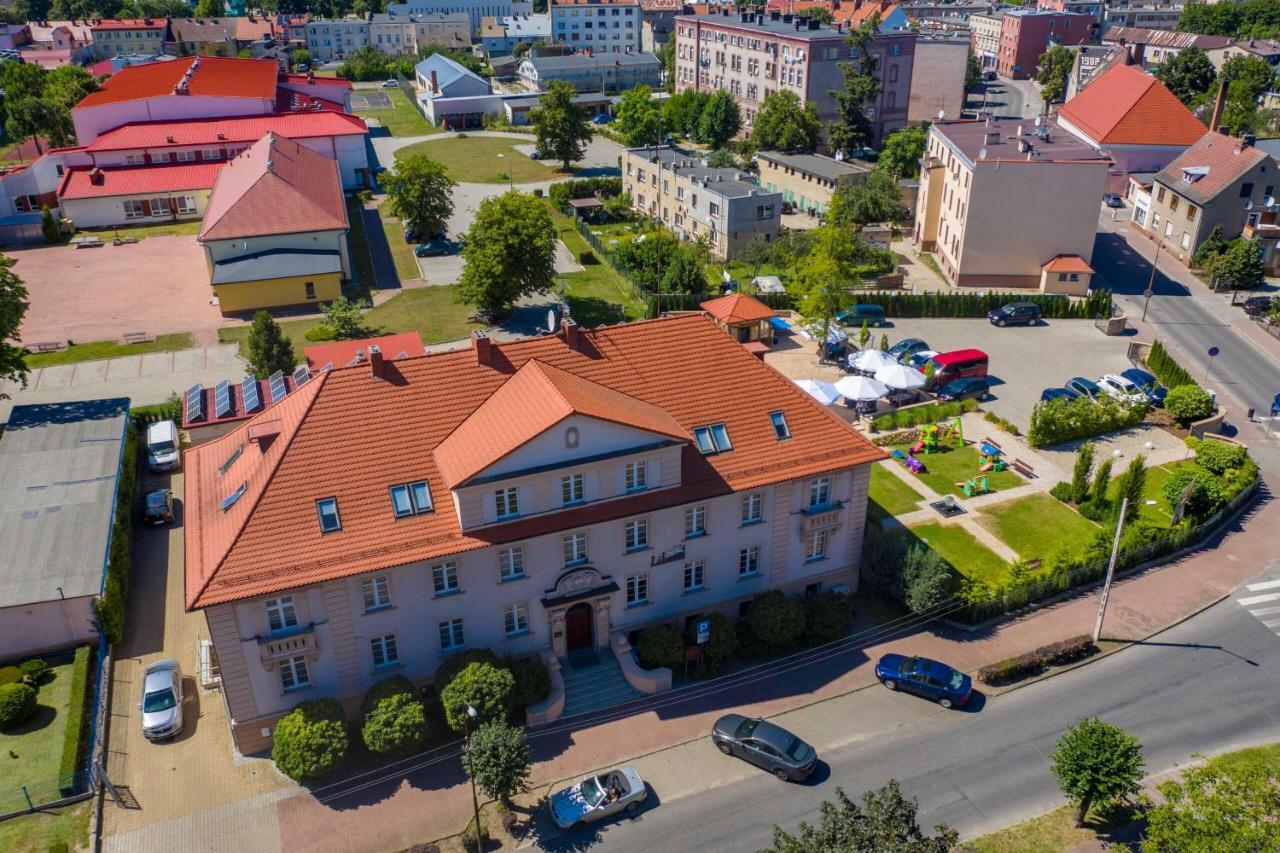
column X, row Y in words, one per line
column 110, row 606
column 993, row 418
column 486, row 687
column 1062, row 491
column 33, row 670
column 898, row 303
column 75, row 735
column 1080, row 473
column 311, row 740
column 927, row 579
column 1169, row 372
column 776, row 621
column 17, row 704
column 394, row 718
column 320, row 334
column 533, row 681
column 1033, row 663
column 1219, row 457
column 1056, row 421
column 660, row 646
column 10, row 675
column 456, row 663
column 1205, row 497
column 1189, row 403
column 510, row 821
column 826, row 617
column 586, row 256
column 1095, row 510
column 925, row 414
column 720, row 646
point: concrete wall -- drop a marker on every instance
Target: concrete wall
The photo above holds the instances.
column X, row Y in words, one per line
column 109, row 212
column 937, row 80
column 28, row 629
column 277, row 292
column 92, row 121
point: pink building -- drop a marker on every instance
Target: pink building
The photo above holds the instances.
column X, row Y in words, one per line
column 1025, row 34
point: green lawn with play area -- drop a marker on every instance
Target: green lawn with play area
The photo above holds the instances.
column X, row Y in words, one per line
column 889, row 495
column 949, row 467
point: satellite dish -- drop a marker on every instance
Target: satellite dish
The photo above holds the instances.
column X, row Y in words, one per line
column 1248, row 205
column 551, row 320
column 1038, row 120
column 982, row 155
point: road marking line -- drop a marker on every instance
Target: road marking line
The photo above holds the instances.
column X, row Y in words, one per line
column 1259, row 612
column 1274, row 623
column 1259, row 599
column 1259, row 587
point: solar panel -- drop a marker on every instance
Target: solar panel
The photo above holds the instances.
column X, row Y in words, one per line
column 301, row 376
column 195, row 403
column 278, row 388
column 222, row 399
column 249, row 393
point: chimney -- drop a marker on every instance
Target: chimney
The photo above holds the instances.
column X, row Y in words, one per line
column 483, row 347
column 376, row 368
column 1219, row 104
column 96, row 177
column 572, row 333
column 435, row 86
column 992, row 137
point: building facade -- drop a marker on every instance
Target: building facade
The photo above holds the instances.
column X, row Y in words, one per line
column 1025, row 34
column 403, row 35
column 598, row 26
column 129, row 36
column 808, row 181
column 1150, row 47
column 937, row 79
column 328, row 40
column 1156, row 16
column 984, row 35
column 598, row 72
column 476, row 10
column 499, row 36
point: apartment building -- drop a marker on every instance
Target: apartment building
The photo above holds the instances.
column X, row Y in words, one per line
column 1155, row 16
column 1025, row 34
column 1149, row 47
column 723, row 206
column 537, row 497
column 1268, row 50
column 599, row 26
column 600, row 72
column 808, row 181
column 984, row 36
column 476, row 10
column 499, row 36
column 328, row 40
column 1001, row 198
column 402, row 35
column 753, row 55
column 119, row 37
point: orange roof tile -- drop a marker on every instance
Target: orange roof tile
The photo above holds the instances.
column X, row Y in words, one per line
column 79, row 182
column 737, row 308
column 342, row 353
column 1127, row 106
column 215, row 76
column 349, row 436
column 1068, row 263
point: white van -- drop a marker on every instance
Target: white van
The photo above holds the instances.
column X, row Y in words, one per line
column 163, row 450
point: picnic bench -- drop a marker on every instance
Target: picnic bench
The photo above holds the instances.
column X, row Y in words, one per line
column 137, row 337
column 87, row 242
column 1024, row 469
column 990, row 443
column 46, row 346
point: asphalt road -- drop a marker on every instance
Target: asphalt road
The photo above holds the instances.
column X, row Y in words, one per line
column 1205, row 686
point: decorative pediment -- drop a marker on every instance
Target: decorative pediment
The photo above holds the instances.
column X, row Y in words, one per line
column 578, row 583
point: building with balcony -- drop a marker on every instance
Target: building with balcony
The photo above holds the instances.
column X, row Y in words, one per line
column 598, row 26
column 1025, row 34
column 540, row 497
column 1154, row 16
column 499, row 36
column 984, row 36
column 336, row 39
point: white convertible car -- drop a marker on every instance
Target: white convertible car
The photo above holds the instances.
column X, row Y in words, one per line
column 598, row 797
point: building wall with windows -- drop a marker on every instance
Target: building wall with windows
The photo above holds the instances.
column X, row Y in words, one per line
column 476, row 10
column 807, row 180
column 136, row 209
column 125, row 37
column 599, row 26
column 336, row 39
column 984, row 34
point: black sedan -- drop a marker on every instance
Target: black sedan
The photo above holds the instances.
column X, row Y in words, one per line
column 923, row 677
column 972, row 388
column 765, row 745
column 436, row 248
column 158, row 507
column 1258, row 306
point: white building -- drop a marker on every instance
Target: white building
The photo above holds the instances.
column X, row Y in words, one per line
column 475, row 9
column 499, row 36
column 600, row 26
column 336, row 39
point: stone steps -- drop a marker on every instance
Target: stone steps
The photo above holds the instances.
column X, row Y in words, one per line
column 596, row 687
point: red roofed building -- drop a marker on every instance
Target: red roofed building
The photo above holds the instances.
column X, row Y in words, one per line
column 579, row 486
column 98, row 197
column 346, row 353
column 1133, row 117
column 745, row 318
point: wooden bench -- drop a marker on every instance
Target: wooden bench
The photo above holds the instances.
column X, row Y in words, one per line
column 995, row 444
column 47, row 346
column 1024, row 469
column 137, row 337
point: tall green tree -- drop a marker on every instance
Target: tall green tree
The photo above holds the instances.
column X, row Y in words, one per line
column 68, row 84
column 972, row 71
column 683, row 112
column 1133, row 482
column 482, row 686
column 344, row 318
column 720, row 119
column 666, row 54
column 269, row 349
column 901, row 154
column 684, row 274
column 1240, row 264
column 1257, row 75
column 510, row 252
column 21, row 80
column 498, row 760
column 1217, row 806
column 561, row 124
column 1188, row 75
column 853, row 128
column 421, row 194
column 886, row 821
column 13, row 306
column 876, row 199
column 638, row 117
column 211, row 9
column 825, row 279
column 1209, row 19
column 1053, row 72
column 1097, row 763
column 36, row 118
column 301, row 56
column 784, row 124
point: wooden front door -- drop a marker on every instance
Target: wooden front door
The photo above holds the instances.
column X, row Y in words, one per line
column 577, row 625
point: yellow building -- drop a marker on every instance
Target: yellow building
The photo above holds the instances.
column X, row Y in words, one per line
column 808, row 181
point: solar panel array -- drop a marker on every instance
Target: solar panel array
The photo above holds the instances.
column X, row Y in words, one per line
column 301, row 376
column 195, row 403
column 222, row 405
column 249, row 393
column 278, row 388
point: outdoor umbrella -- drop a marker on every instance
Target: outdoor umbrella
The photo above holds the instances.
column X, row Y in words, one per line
column 871, row 360
column 823, row 392
column 900, row 376
column 861, row 388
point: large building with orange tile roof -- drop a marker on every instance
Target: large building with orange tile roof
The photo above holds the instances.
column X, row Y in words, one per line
column 544, row 497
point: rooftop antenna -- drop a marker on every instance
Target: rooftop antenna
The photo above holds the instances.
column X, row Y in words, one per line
column 982, row 155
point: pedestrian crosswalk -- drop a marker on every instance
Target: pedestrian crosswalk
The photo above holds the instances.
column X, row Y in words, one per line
column 1263, row 602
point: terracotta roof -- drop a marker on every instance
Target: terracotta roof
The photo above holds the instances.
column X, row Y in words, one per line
column 737, row 308
column 349, row 436
column 1216, row 162
column 1163, row 38
column 218, row 131
column 214, row 76
column 78, row 182
column 1127, row 106
column 1068, row 263
column 341, row 353
column 339, row 82
column 275, row 186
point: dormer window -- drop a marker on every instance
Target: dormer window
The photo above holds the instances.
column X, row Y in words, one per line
column 506, row 503
column 637, row 476
column 780, row 428
column 713, row 438
column 327, row 509
column 411, row 499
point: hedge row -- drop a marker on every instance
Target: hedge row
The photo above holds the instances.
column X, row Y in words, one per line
column 561, row 193
column 926, row 414
column 110, row 605
column 943, row 304
column 169, row 410
column 1033, row 663
column 74, row 739
column 1169, row 372
column 1056, row 421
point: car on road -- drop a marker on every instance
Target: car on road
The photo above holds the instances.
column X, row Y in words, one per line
column 1258, row 306
column 1117, row 386
column 436, row 248
column 906, row 348
column 597, row 797
column 1015, row 314
column 765, row 745
column 161, row 703
column 988, row 75
column 1084, row 388
column 1058, row 394
column 389, row 84
column 163, row 450
column 158, row 507
column 1148, row 384
column 1113, row 200
column 918, row 360
column 856, row 315
column 974, row 388
column 923, row 677
column 601, row 118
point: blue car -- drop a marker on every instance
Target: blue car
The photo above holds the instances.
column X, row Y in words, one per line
column 923, row 677
column 1084, row 388
column 1148, row 384
column 1057, row 394
column 602, row 118
column 971, row 388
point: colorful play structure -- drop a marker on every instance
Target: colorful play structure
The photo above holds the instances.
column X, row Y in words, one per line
column 991, row 458
column 932, row 438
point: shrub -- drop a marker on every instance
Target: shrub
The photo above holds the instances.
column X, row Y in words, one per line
column 1032, row 663
column 394, row 718
column 1189, row 403
column 74, row 736
column 1095, row 510
column 1056, row 421
column 498, row 760
column 510, row 820
column 1101, row 482
column 776, row 621
column 320, row 333
column 533, row 681
column 826, row 617
column 720, row 645
column 1169, row 372
column 17, row 704
column 660, row 646
column 1219, row 457
column 926, row 414
column 485, row 687
column 1205, row 496
column 33, row 670
column 926, row 578
column 110, row 606
column 1007, row 426
column 311, row 740
column 1080, row 473
column 456, row 663
column 10, row 675
column 1062, row 491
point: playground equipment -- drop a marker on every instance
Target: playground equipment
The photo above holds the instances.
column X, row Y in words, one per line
column 976, row 486
column 992, row 457
column 910, row 462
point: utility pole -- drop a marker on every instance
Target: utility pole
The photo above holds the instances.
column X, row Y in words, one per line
column 1151, row 282
column 475, row 800
column 1111, row 569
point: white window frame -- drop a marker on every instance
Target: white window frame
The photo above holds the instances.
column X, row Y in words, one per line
column 386, row 648
column 454, row 631
column 575, row 548
column 636, row 476
column 749, row 561
column 294, row 674
column 186, row 205
column 133, row 209
column 444, row 578
column 161, row 202
column 635, row 535
column 186, row 156
column 337, row 516
column 506, row 502
column 376, row 592
column 695, row 522
column 515, row 619
column 752, row 508
column 819, row 492
column 511, row 564
column 572, row 489
column 638, row 589
column 815, row 545
column 695, row 575
column 283, row 611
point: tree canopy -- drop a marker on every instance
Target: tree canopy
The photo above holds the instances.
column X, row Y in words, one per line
column 853, row 127
column 683, row 111
column 13, row 306
column 420, row 192
column 498, row 759
column 900, row 156
column 885, row 821
column 638, row 116
column 720, row 119
column 1053, row 72
column 269, row 349
column 825, row 277
column 784, row 124
column 509, row 253
column 1097, row 763
column 972, row 71
column 561, row 124
column 1217, row 806
column 1188, row 75
column 1258, row 19
column 876, row 199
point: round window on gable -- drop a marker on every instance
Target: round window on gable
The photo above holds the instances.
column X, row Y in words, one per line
column 571, row 437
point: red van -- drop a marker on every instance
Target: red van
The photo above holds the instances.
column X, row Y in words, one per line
column 958, row 364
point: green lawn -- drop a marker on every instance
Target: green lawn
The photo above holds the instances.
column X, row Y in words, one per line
column 949, row 465
column 744, row 273
column 62, row 829
column 1161, row 512
column 598, row 294
column 403, row 119
column 959, row 548
column 1264, row 758
column 188, row 228
column 94, row 350
column 30, row 754
column 889, row 494
column 1037, row 525
column 476, row 160
column 363, row 277
column 401, row 252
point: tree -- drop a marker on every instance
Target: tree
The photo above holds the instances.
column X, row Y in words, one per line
column 876, row 199
column 666, row 54
column 885, row 821
column 684, row 274
column 1195, row 489
column 1188, row 74
column 498, row 760
column 301, row 56
column 864, row 334
column 884, row 342
column 1080, row 473
column 420, row 191
column 1240, row 264
column 49, row 226
column 395, row 720
column 1241, row 113
column 1218, row 806
column 510, row 252
column 1101, row 484
column 484, row 687
column 638, row 117
column 901, row 153
column 311, row 740
column 756, row 252
column 722, row 158
column 21, row 80
column 13, row 306
column 68, row 84
column 211, row 9
column 344, row 318
column 1189, row 403
column 821, row 14
column 1053, row 72
column 853, row 129
column 720, row 119
column 561, row 124
column 784, row 124
column 36, row 117
column 269, row 349
column 927, row 580
column 1097, row 763
column 1132, row 484
column 837, row 261
column 1257, row 75
column 683, row 112
column 1206, row 254
column 972, row 71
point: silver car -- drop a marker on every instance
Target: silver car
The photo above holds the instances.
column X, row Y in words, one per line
column 161, row 700
column 598, row 797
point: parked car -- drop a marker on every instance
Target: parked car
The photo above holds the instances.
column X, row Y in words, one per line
column 1113, row 200
column 988, row 75
column 163, row 451
column 765, row 745
column 1084, row 387
column 410, row 236
column 1115, row 385
column 958, row 364
column 975, row 388
column 919, row 359
column 1015, row 314
column 435, row 248
column 1058, row 394
column 1258, row 306
column 161, row 703
column 1148, row 384
column 390, row 84
column 872, row 315
column 906, row 348
column 923, row 677
column 158, row 507
column 597, row 797
column 601, row 118
column 303, row 67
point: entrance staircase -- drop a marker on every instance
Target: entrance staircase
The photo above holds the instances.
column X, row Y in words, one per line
column 592, row 681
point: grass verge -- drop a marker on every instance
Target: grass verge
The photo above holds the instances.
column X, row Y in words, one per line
column 889, row 494
column 1056, row 830
column 1160, row 512
column 1037, row 525
column 188, row 228
column 362, row 262
column 928, row 260
column 401, row 252
column 56, row 829
column 403, row 119
column 965, row 553
column 94, row 350
column 482, row 160
column 31, row 753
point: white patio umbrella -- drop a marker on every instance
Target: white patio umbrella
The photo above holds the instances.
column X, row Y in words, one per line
column 861, row 388
column 824, row 392
column 900, row 376
column 871, row 360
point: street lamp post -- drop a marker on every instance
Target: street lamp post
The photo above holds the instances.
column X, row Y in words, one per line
column 475, row 800
column 1151, row 282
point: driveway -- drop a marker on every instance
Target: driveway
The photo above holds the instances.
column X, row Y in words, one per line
column 157, row 285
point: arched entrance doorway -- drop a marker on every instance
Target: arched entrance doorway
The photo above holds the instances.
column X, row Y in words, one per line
column 577, row 627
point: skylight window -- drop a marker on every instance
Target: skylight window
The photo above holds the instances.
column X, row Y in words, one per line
column 230, row 500
column 713, row 438
column 328, row 511
column 780, row 428
column 231, row 460
column 411, row 499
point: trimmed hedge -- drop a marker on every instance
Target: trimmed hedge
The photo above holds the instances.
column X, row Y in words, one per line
column 169, row 410
column 533, row 681
column 1167, row 370
column 17, row 704
column 943, row 304
column 395, row 721
column 1033, row 663
column 1057, row 421
column 311, row 740
column 659, row 646
column 926, row 414
column 75, row 736
column 110, row 605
